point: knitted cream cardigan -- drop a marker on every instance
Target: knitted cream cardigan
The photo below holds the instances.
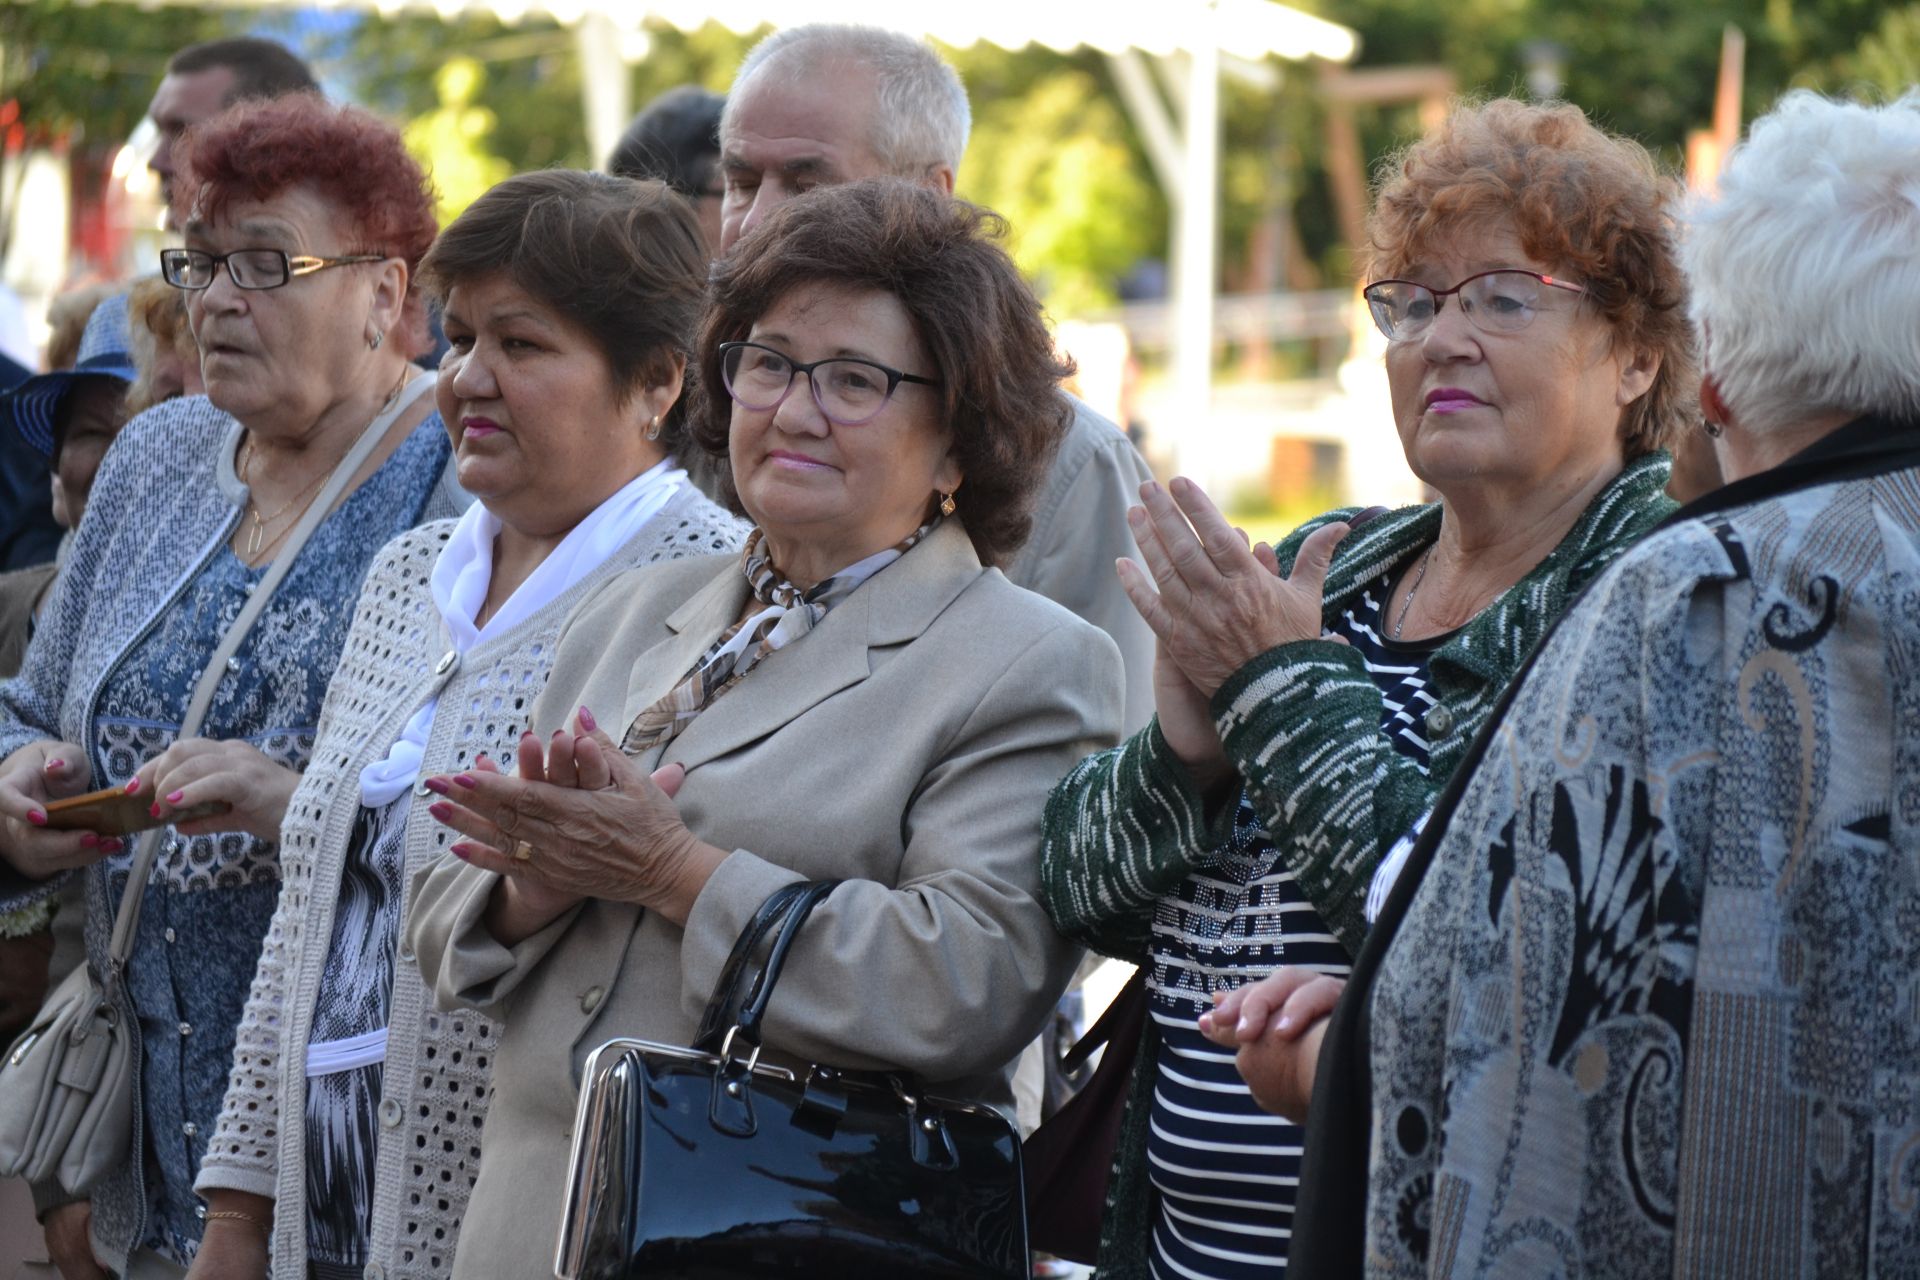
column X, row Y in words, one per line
column 436, row 1082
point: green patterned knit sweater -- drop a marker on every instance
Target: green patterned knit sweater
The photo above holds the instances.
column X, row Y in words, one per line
column 1301, row 723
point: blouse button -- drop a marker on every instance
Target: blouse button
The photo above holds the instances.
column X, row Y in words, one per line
column 233, row 664
column 447, row 663
column 1439, row 721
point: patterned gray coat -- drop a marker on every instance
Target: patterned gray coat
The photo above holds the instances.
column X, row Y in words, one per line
column 1655, row 1008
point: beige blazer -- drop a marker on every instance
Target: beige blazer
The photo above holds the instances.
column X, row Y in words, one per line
column 907, row 745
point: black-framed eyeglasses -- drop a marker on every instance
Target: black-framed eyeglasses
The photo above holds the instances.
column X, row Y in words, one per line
column 247, row 268
column 847, row 391
column 1502, row 301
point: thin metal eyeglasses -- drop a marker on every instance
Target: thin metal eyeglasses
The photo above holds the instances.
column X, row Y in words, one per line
column 848, row 391
column 1501, row 301
column 247, row 268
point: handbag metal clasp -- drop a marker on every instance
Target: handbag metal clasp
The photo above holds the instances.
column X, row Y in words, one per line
column 730, row 1110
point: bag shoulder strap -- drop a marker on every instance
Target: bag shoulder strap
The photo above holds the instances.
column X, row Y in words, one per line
column 127, row 919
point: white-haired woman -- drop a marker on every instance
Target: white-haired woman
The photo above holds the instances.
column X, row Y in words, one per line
column 1643, row 1001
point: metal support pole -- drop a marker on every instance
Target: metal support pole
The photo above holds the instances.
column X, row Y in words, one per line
column 1193, row 261
column 606, row 86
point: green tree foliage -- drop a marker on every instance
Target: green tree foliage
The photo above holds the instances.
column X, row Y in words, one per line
column 1887, row 61
column 88, row 71
column 1081, row 209
column 452, row 140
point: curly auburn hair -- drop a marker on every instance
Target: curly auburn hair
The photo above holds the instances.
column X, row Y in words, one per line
column 621, row 260
column 1585, row 202
column 976, row 318
column 258, row 149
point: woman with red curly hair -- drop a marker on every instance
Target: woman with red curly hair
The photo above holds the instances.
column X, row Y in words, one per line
column 314, row 445
column 1313, row 698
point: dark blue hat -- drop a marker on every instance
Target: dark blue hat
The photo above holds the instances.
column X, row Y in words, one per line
column 33, row 405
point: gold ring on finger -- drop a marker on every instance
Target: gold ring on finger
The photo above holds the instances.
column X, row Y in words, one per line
column 523, row 851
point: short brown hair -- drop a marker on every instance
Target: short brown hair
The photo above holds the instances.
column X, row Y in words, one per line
column 621, row 259
column 156, row 322
column 975, row 316
column 261, row 68
column 1584, row 201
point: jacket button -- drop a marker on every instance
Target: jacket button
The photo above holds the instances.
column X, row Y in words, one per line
column 186, row 1028
column 190, row 1128
column 420, row 788
column 447, row 663
column 390, row 1113
column 590, row 999
column 1439, row 721
column 374, row 1271
column 168, row 935
column 406, row 952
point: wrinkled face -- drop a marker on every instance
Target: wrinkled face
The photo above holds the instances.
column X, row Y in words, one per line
column 1536, row 407
column 284, row 353
column 539, row 433
column 90, row 417
column 181, row 102
column 784, row 137
column 841, row 493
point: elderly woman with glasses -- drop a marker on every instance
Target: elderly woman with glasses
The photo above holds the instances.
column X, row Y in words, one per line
column 863, row 698
column 1644, row 1006
column 1313, row 698
column 304, row 223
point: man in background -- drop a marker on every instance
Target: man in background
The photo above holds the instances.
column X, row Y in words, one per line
column 203, row 80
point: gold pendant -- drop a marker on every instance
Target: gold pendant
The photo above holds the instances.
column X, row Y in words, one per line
column 253, row 539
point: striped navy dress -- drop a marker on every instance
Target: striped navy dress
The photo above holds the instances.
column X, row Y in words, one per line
column 1226, row 1171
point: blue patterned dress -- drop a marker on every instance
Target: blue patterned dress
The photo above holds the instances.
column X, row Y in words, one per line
column 149, row 592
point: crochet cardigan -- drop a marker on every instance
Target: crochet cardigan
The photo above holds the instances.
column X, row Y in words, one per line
column 164, row 504
column 1301, row 723
column 435, row 1085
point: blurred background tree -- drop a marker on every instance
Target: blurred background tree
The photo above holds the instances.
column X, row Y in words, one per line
column 1053, row 149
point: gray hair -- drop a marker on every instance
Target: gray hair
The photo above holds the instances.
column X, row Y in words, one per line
column 920, row 113
column 1803, row 268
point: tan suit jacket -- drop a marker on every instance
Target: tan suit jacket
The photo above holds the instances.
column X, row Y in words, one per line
column 906, row 745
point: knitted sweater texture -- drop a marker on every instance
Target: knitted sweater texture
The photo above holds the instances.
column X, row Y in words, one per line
column 1301, row 724
column 436, row 1081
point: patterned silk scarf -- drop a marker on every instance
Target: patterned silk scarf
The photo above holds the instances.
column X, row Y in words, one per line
column 789, row 614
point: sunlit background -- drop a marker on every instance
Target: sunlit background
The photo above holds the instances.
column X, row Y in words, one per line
column 1186, row 179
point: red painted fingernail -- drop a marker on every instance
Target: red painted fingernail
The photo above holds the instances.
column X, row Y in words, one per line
column 55, row 764
column 440, row 810
column 437, row 785
column 154, row 810
column 88, row 840
column 462, row 851
column 36, row 817
column 133, row 786
column 111, row 845
column 465, row 780
column 587, row 721
column 173, row 797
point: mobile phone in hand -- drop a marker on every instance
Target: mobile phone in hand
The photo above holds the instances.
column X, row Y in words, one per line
column 115, row 813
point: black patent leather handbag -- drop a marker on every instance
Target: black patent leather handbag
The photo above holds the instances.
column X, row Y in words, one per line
column 707, row 1162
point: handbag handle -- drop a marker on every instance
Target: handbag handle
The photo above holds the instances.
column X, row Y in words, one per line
column 740, row 1000
column 127, row 920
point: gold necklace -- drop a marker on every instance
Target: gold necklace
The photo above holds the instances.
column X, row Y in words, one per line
column 257, row 541
column 1401, row 623
column 256, row 537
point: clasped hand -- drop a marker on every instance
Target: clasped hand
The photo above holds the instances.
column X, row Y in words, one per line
column 1275, row 1027
column 1220, row 603
column 577, row 820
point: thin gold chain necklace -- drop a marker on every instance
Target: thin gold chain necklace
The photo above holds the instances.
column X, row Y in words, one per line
column 257, row 541
column 1400, row 624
